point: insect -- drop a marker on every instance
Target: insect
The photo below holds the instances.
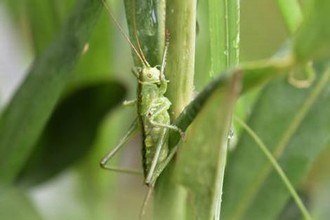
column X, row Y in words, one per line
column 153, row 117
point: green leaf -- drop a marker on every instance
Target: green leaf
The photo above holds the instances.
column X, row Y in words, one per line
column 146, row 24
column 313, row 39
column 23, row 119
column 14, row 204
column 294, row 125
column 291, row 13
column 98, row 60
column 318, row 186
column 201, row 159
column 44, row 18
column 254, row 74
column 71, row 130
column 224, row 28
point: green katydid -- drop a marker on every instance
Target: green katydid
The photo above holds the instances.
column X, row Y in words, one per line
column 153, row 116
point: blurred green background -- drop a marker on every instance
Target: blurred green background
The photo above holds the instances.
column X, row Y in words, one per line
column 70, row 184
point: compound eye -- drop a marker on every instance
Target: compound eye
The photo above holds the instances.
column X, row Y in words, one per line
column 149, row 75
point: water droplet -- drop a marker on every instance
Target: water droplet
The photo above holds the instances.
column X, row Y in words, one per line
column 154, row 17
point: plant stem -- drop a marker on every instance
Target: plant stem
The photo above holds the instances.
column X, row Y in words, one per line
column 224, row 27
column 170, row 198
column 181, row 25
column 233, row 9
column 277, row 168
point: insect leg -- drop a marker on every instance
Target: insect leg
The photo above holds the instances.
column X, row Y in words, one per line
column 145, row 202
column 162, row 69
column 104, row 162
column 164, row 107
column 163, row 165
column 153, row 173
column 167, row 126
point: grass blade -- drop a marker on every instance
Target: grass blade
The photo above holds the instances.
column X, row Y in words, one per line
column 201, row 159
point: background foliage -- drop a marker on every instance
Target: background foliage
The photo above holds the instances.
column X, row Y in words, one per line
column 66, row 114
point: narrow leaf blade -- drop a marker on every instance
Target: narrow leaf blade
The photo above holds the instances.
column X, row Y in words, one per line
column 293, row 123
column 22, row 121
column 201, row 160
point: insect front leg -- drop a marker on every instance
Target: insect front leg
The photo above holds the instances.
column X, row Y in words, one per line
column 105, row 160
column 164, row 164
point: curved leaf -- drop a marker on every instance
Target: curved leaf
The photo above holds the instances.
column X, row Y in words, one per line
column 201, row 159
column 313, row 39
column 71, row 130
column 253, row 74
column 294, row 124
column 22, row 121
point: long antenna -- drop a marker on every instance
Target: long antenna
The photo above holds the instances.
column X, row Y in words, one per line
column 141, row 57
column 135, row 32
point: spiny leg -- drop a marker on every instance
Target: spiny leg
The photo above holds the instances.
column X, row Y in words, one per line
column 163, row 165
column 172, row 127
column 167, row 126
column 162, row 69
column 152, row 176
column 103, row 163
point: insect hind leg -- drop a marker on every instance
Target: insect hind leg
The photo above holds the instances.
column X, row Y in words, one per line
column 146, row 201
column 105, row 160
column 167, row 126
column 155, row 171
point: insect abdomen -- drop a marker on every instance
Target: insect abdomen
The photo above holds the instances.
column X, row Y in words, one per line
column 153, row 135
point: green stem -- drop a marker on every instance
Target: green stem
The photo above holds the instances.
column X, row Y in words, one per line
column 170, row 198
column 277, row 168
column 224, row 25
column 181, row 25
column 218, row 36
column 283, row 142
column 233, row 30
